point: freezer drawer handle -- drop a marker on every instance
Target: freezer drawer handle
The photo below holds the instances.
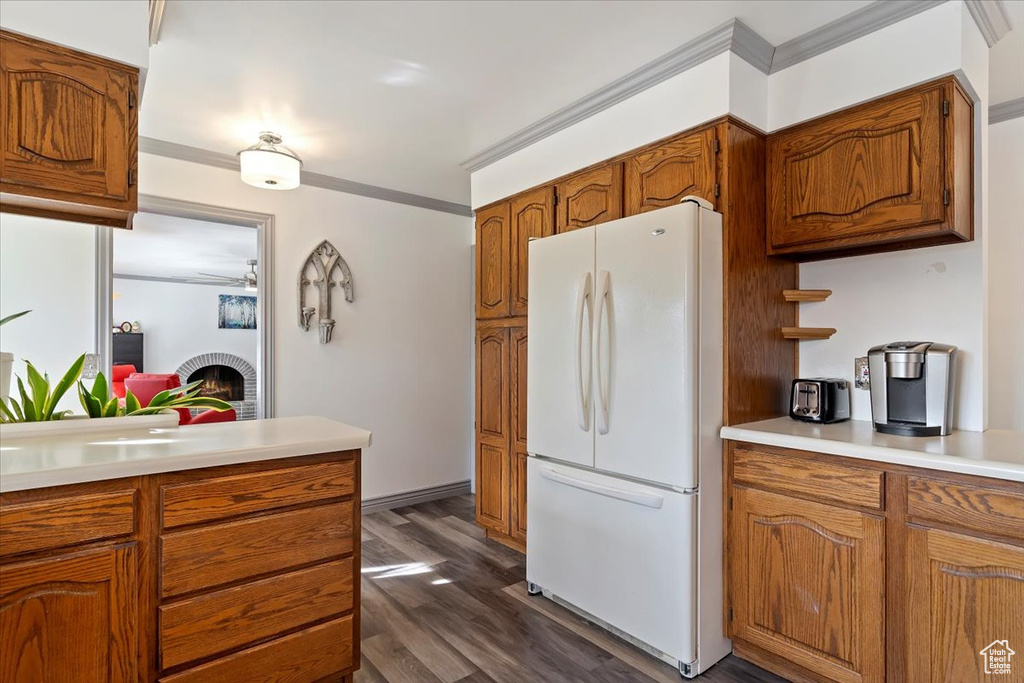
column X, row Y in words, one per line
column 604, row 281
column 583, row 295
column 646, row 499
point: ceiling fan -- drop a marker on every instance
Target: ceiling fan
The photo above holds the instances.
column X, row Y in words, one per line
column 247, row 280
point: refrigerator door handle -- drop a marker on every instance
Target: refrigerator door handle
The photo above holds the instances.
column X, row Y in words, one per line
column 583, row 296
column 604, row 281
column 650, row 500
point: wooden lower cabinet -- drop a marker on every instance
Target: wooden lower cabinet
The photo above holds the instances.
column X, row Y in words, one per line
column 965, row 605
column 243, row 572
column 71, row 617
column 501, row 430
column 839, row 584
column 809, row 583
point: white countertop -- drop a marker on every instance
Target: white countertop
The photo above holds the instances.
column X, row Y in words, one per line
column 58, row 459
column 996, row 453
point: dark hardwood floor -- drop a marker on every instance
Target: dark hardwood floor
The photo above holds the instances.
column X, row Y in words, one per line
column 440, row 603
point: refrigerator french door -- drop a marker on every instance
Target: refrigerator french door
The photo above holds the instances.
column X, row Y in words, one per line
column 624, row 398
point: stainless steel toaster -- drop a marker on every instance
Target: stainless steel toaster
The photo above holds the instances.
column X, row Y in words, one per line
column 820, row 399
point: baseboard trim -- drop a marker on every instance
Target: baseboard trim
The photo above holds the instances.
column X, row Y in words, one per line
column 424, row 495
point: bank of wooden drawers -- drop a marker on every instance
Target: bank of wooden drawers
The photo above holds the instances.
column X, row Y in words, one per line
column 843, row 484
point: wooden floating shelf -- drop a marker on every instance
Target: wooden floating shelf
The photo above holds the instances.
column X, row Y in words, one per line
column 806, row 333
column 805, row 295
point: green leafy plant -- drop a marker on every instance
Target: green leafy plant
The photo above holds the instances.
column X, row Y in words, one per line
column 98, row 401
column 38, row 402
column 12, row 316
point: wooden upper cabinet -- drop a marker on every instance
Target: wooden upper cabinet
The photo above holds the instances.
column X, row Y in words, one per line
column 70, row 618
column 965, row 596
column 807, row 583
column 69, row 135
column 493, row 241
column 894, row 173
column 663, row 175
column 533, row 215
column 589, row 198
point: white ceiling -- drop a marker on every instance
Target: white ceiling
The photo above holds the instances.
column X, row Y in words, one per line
column 396, row 94
column 164, row 246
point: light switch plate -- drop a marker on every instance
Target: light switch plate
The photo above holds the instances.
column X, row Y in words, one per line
column 861, row 373
column 92, row 366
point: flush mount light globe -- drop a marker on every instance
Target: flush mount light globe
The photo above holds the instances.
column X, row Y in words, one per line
column 269, row 164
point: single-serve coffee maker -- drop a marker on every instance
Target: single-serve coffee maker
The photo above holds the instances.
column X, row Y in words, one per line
column 912, row 388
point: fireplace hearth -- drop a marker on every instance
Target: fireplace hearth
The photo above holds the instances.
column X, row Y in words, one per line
column 225, row 376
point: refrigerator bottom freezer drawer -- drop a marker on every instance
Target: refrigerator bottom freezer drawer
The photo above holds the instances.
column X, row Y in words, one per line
column 621, row 551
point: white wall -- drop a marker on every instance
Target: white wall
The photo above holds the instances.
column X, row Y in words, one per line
column 115, row 29
column 946, row 286
column 48, row 267
column 1006, row 275
column 180, row 321
column 399, row 363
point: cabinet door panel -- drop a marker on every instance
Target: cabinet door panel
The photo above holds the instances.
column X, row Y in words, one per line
column 492, row 262
column 492, row 426
column 70, row 618
column 67, row 121
column 662, row 176
column 590, row 198
column 872, row 175
column 808, row 583
column 532, row 216
column 965, row 595
column 518, row 399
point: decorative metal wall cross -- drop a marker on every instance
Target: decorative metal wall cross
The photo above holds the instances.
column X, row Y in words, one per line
column 318, row 271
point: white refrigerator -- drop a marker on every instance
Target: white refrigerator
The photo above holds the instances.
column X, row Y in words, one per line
column 624, row 407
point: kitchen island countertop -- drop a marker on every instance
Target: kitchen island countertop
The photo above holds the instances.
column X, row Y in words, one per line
column 59, row 459
column 996, row 453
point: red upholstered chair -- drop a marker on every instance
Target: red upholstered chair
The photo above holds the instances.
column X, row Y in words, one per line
column 118, row 375
column 147, row 385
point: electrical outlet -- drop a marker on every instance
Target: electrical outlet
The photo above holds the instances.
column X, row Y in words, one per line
column 861, row 373
column 92, row 366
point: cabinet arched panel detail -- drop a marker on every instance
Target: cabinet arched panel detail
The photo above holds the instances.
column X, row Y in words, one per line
column 532, row 217
column 58, row 119
column 70, row 618
column 492, row 267
column 877, row 166
column 492, row 357
column 965, row 594
column 662, row 176
column 590, row 198
column 808, row 582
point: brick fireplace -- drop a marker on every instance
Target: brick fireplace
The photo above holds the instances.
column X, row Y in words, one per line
column 224, row 376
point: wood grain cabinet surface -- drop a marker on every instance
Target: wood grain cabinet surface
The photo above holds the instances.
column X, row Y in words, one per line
column 808, row 583
column 493, row 242
column 517, row 375
column 243, row 572
column 590, row 198
column 910, row 588
column 72, row 617
column 70, row 133
column 893, row 173
column 533, row 217
column 662, row 176
column 493, row 410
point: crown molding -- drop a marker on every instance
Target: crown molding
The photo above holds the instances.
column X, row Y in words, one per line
column 206, row 157
column 713, row 43
column 991, row 17
column 1005, row 111
column 156, row 18
column 875, row 16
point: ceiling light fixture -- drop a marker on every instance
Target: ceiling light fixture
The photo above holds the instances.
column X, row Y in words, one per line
column 269, row 164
